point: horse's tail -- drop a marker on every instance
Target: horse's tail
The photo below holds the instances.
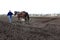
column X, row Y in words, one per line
column 27, row 16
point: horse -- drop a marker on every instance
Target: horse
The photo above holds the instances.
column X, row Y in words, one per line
column 23, row 15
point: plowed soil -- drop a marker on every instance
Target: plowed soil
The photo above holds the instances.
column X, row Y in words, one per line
column 39, row 28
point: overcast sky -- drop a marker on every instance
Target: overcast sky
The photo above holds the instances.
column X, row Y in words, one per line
column 31, row 6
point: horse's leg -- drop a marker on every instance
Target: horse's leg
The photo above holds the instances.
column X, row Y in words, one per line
column 28, row 21
column 25, row 20
column 27, row 17
column 18, row 19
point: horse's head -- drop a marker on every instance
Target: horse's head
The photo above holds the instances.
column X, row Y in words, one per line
column 15, row 12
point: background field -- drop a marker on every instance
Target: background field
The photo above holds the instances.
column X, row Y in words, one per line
column 40, row 28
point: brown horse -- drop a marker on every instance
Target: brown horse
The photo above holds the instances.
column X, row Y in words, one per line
column 22, row 14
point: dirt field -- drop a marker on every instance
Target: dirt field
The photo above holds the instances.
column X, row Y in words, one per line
column 40, row 28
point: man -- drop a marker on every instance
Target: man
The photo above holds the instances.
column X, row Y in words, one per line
column 10, row 16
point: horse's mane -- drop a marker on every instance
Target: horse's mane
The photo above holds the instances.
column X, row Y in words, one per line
column 17, row 12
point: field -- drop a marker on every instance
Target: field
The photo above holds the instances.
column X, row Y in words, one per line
column 39, row 28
